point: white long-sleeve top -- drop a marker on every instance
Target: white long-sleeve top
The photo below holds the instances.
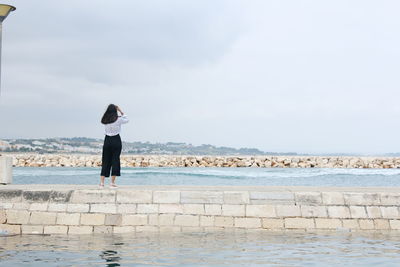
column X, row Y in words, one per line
column 114, row 128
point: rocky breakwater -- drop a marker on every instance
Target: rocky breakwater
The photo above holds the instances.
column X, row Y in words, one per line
column 71, row 160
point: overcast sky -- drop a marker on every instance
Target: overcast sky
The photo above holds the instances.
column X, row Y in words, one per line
column 303, row 76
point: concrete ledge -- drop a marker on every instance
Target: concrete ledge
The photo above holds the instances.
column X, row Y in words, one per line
column 68, row 209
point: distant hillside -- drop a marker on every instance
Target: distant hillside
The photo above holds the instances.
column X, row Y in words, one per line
column 91, row 145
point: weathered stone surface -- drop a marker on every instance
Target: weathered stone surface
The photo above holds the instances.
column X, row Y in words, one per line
column 17, row 216
column 287, row 211
column 239, row 197
column 78, row 207
column 267, row 211
column 32, row 229
column 233, row 210
column 206, row 220
column 390, row 212
column 213, row 209
column 381, row 224
column 68, row 218
column 314, row 211
column 36, row 196
column 394, row 224
column 55, row 229
column 358, row 212
column 171, row 208
column 61, row 207
column 374, row 212
column 38, row 206
column 144, row 196
column 92, row 219
column 11, row 196
column 103, row 208
column 134, row 219
column 272, row 198
column 332, row 198
column 10, row 228
column 366, row 224
column 273, row 223
column 113, row 219
column 93, row 196
column 187, row 220
column 166, row 196
column 20, row 206
column 299, row 223
column 123, row 229
column 350, row 224
column 147, row 208
column 390, row 199
column 102, row 229
column 6, row 205
column 338, row 212
column 79, row 230
column 308, row 198
column 165, row 219
column 321, row 223
column 202, row 197
column 361, row 198
column 60, row 196
column 220, row 221
column 3, row 217
column 195, row 209
column 43, row 218
column 146, row 228
column 126, row 208
column 247, row 222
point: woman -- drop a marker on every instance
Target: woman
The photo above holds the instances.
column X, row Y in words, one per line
column 112, row 144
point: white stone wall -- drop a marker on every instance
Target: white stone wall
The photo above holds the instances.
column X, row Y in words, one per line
column 69, row 160
column 84, row 211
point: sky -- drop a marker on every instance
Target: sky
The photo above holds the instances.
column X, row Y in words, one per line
column 281, row 76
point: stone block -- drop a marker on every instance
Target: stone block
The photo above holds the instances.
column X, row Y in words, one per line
column 247, row 222
column 358, row 212
column 381, row 224
column 32, row 229
column 342, row 212
column 145, row 196
column 239, row 197
column 10, row 195
column 171, row 208
column 166, row 219
column 59, row 207
column 391, row 199
column 202, row 197
column 113, row 219
column 78, row 207
column 7, row 205
column 174, row 229
column 38, row 206
column 187, row 220
column 332, row 198
column 92, row 219
column 266, row 211
column 361, row 199
column 287, row 211
column 153, row 219
column 126, row 208
column 36, row 196
column 313, row 211
column 3, row 217
column 68, row 218
column 221, row 221
column 366, row 224
column 321, row 223
column 103, row 229
column 206, row 220
column 21, row 206
column 166, row 196
column 93, row 196
column 308, row 198
column 299, row 223
column 103, row 208
column 10, row 228
column 147, row 208
column 17, row 216
column 134, row 219
column 283, row 197
column 374, row 212
column 394, row 224
column 80, row 230
column 233, row 210
column 146, row 228
column 43, row 218
column 61, row 196
column 273, row 223
column 213, row 209
column 390, row 212
column 123, row 229
column 196, row 209
column 55, row 229
column 350, row 224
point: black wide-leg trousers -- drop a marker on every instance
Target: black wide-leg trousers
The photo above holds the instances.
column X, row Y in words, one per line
column 110, row 160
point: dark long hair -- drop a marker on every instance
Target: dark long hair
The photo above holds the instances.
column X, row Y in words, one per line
column 110, row 115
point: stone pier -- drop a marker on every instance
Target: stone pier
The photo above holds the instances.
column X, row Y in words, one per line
column 71, row 209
